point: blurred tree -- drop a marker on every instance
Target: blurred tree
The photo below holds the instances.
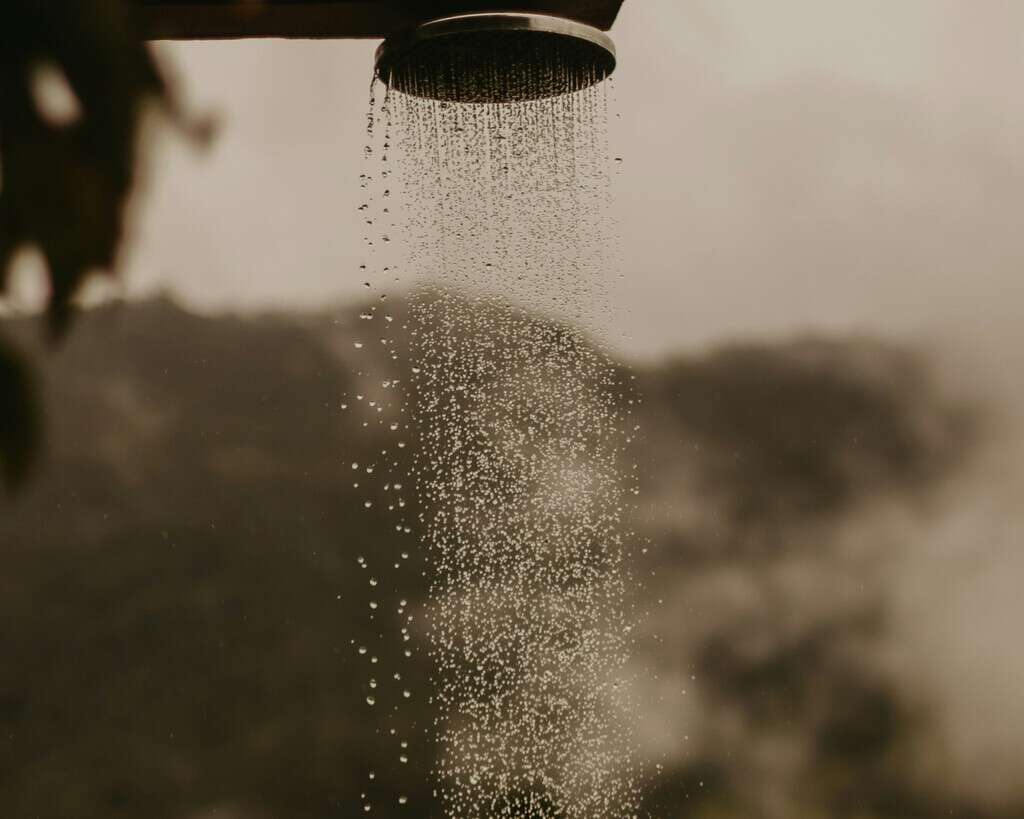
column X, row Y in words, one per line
column 74, row 83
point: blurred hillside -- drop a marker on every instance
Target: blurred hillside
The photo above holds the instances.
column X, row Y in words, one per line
column 181, row 602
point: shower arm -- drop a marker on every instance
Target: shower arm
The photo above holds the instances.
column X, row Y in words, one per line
column 336, row 19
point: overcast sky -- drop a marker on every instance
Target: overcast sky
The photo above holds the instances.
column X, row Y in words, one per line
column 789, row 166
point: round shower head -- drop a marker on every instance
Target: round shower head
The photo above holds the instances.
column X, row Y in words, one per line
column 501, row 57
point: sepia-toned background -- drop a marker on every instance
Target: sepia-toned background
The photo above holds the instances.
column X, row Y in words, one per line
column 818, row 214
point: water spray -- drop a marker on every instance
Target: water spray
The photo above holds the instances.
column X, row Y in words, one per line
column 495, row 138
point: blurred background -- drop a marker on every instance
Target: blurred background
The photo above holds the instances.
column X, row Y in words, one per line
column 821, row 300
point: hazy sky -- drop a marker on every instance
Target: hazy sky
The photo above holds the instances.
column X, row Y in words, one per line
column 789, row 166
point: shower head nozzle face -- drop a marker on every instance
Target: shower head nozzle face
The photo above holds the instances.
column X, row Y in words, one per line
column 495, row 58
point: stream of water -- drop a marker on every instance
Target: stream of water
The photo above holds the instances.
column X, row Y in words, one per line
column 521, row 466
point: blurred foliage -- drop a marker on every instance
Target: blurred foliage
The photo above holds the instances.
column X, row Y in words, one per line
column 803, row 430
column 64, row 181
column 194, row 542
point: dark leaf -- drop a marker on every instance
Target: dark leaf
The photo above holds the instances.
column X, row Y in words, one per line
column 65, row 180
column 65, row 184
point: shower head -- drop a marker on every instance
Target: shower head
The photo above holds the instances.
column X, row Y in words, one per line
column 496, row 57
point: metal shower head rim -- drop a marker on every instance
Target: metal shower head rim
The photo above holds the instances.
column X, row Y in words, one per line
column 399, row 45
